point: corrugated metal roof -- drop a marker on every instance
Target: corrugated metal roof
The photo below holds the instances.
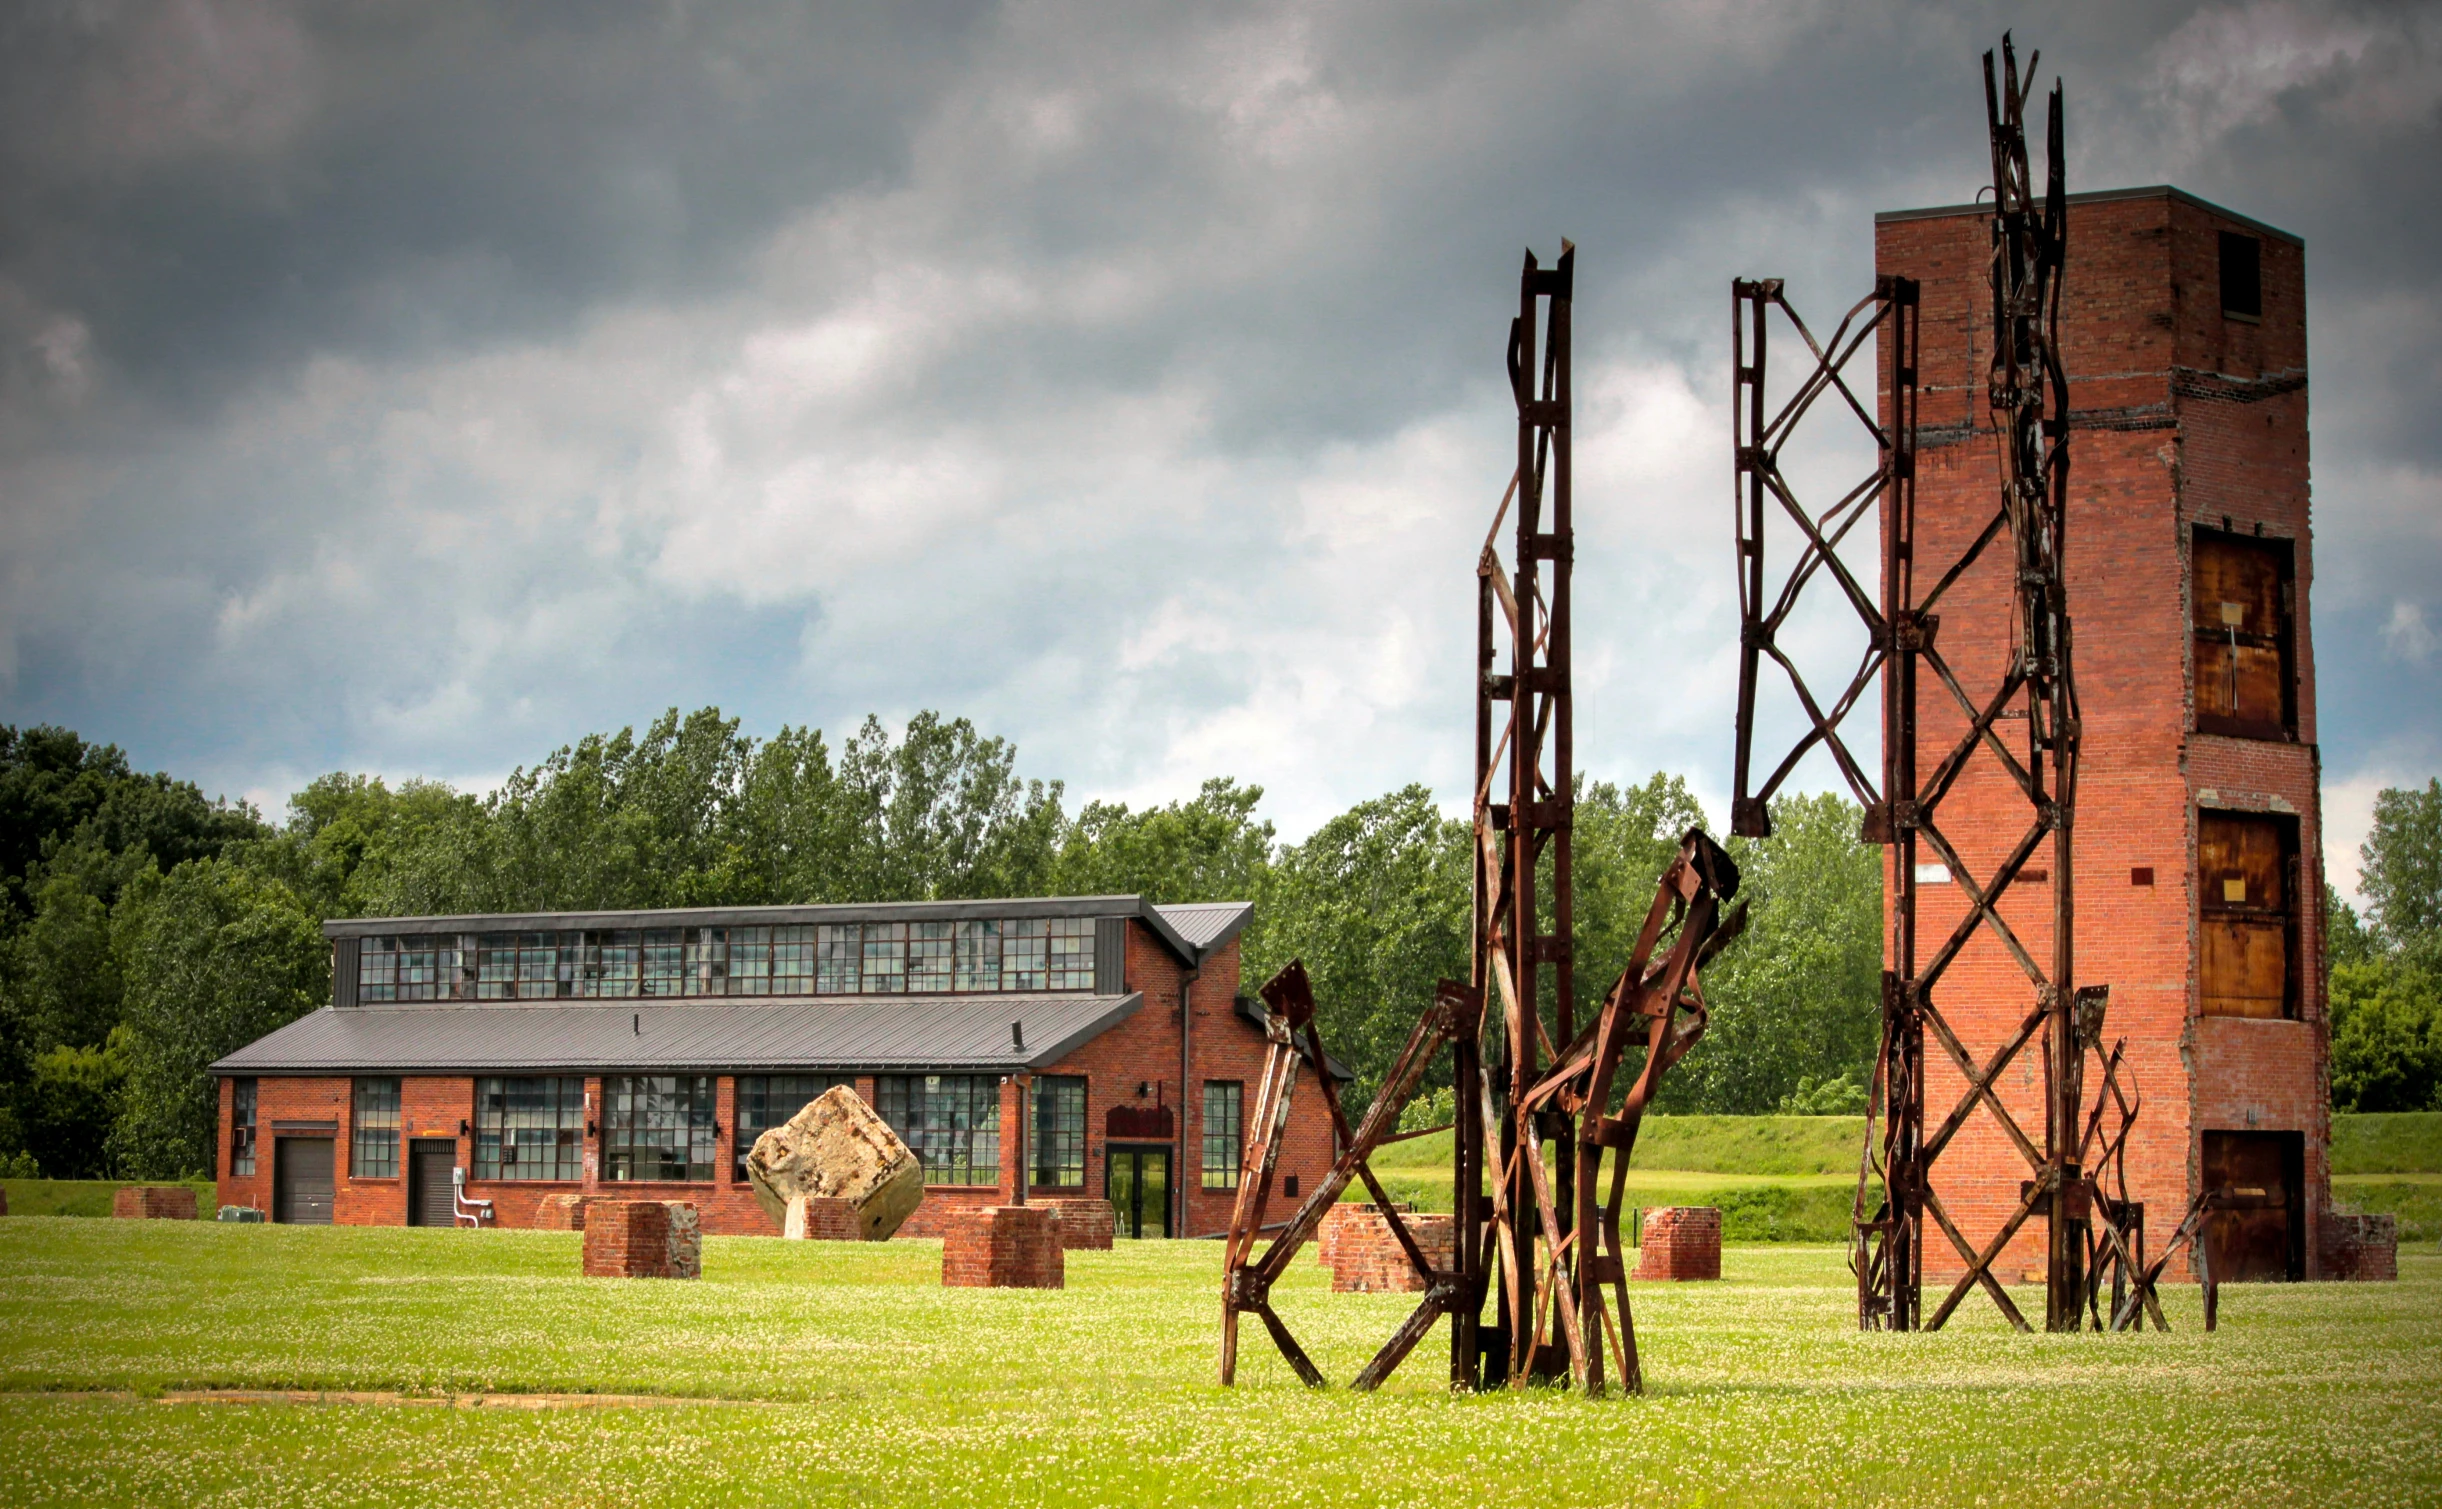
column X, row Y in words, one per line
column 1207, row 924
column 829, row 1032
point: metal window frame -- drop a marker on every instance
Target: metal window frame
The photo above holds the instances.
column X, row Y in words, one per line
column 1229, row 1144
column 371, row 1139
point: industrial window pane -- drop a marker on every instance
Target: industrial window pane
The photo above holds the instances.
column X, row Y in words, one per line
column 374, row 1153
column 979, row 956
column 614, row 963
column 707, row 961
column 463, row 968
column 2242, row 275
column 929, row 946
column 659, row 1127
column 1072, row 953
column 530, row 1128
column 1025, row 954
column 839, row 959
column 241, row 1129
column 1224, row 1132
column 665, row 962
column 496, row 967
column 538, row 966
column 792, row 961
column 419, row 975
column 951, row 1122
column 750, row 961
column 1059, row 1131
column 377, row 970
column 769, row 1100
column 885, row 958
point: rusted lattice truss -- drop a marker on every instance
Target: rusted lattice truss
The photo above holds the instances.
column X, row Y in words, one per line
column 1542, row 1227
column 2091, row 1231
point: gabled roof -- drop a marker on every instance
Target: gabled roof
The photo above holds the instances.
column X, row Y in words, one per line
column 1206, row 925
column 1191, row 931
column 881, row 1032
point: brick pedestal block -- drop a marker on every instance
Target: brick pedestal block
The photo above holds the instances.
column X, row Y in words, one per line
column 643, row 1239
column 1004, row 1247
column 1680, row 1242
column 137, row 1202
column 1327, row 1235
column 561, row 1212
column 1366, row 1259
column 823, row 1220
column 2362, row 1248
column 1085, row 1225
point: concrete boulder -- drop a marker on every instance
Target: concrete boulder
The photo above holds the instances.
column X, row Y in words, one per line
column 837, row 1149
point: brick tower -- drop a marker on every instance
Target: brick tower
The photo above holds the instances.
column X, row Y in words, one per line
column 2199, row 883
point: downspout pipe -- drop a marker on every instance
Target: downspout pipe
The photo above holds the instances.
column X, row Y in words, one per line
column 1178, row 1175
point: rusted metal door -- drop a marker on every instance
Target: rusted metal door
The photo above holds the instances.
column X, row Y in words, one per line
column 2241, row 622
column 430, row 1162
column 2246, row 905
column 2260, row 1231
column 301, row 1181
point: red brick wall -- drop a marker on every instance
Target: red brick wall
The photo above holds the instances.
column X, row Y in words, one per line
column 2179, row 417
column 1004, row 1247
column 1143, row 1049
column 1355, row 1242
column 1679, row 1242
column 141, row 1202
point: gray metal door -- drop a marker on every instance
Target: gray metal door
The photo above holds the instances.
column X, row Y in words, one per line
column 301, row 1181
column 430, row 1162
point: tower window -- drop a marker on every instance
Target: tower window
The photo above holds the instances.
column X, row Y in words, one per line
column 2242, row 276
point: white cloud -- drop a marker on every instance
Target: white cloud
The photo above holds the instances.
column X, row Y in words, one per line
column 2406, row 637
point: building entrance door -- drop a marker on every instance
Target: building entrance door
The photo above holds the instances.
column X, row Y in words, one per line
column 301, row 1181
column 430, row 1162
column 2260, row 1233
column 1136, row 1180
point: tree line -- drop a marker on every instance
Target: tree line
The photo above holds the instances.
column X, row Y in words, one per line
column 2386, row 967
column 146, row 930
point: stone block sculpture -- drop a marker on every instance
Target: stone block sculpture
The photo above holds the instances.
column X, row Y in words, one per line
column 836, row 1152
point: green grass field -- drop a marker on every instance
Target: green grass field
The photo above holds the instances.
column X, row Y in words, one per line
column 819, row 1373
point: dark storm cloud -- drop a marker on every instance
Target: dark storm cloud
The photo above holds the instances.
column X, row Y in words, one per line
column 417, row 387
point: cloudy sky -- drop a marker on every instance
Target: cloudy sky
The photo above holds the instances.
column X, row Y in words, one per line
column 413, row 389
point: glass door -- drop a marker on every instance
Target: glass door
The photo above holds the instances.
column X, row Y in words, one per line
column 1136, row 1180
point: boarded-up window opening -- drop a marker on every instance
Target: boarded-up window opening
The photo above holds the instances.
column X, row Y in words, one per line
column 2242, row 618
column 2247, row 895
column 2242, row 276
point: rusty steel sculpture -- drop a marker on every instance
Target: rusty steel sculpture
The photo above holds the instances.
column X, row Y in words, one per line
column 1533, row 1235
column 2092, row 1230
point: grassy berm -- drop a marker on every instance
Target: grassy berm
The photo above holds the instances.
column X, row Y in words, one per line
column 820, row 1373
column 1775, row 1178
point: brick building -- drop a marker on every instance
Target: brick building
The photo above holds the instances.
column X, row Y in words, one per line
column 2199, row 880
column 518, row 1058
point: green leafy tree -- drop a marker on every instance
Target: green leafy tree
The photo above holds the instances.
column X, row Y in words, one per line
column 1377, row 903
column 2346, row 938
column 63, row 973
column 2386, row 1018
column 215, row 957
column 1799, row 996
column 1625, row 837
column 2400, row 873
column 1210, row 848
column 71, row 1105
